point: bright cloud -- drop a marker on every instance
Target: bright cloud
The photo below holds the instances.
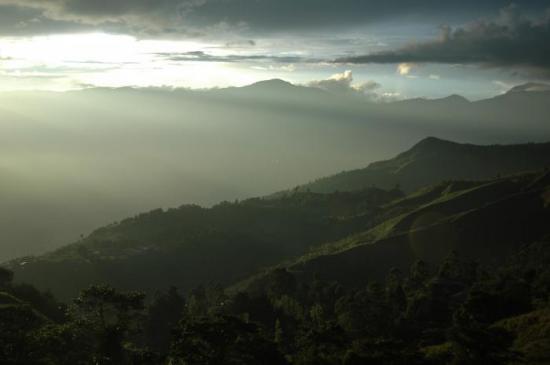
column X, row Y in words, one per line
column 343, row 84
column 404, row 68
column 111, row 60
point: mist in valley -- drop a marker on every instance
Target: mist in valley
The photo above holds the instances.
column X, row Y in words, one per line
column 74, row 161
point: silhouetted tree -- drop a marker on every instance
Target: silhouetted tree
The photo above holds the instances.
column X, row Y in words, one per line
column 163, row 315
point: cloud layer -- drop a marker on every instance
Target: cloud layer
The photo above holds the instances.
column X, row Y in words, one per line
column 342, row 84
column 188, row 16
column 510, row 40
column 303, row 36
column 201, row 56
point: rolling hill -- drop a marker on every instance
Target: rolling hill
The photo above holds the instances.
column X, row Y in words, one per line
column 482, row 221
column 371, row 229
column 190, row 245
column 433, row 160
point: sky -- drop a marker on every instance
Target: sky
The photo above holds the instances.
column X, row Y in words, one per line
column 394, row 49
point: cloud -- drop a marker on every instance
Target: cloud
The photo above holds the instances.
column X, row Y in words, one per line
column 129, row 16
column 404, row 68
column 511, row 39
column 241, row 43
column 100, row 11
column 338, row 83
column 196, row 16
column 342, row 84
column 201, row 56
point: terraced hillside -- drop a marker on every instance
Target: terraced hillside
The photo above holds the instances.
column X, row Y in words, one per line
column 483, row 221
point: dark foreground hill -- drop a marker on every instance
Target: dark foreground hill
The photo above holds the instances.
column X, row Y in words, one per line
column 190, row 245
column 368, row 299
column 433, row 160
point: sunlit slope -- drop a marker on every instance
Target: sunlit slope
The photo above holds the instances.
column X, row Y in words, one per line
column 486, row 223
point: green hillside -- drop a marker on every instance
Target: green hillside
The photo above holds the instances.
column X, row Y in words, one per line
column 355, row 233
column 485, row 222
column 191, row 245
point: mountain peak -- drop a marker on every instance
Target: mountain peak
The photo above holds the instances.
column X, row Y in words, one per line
column 430, row 143
column 273, row 83
column 455, row 98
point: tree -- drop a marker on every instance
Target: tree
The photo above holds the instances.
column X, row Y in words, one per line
column 322, row 346
column 395, row 295
column 64, row 344
column 163, row 315
column 281, row 282
column 6, row 277
column 419, row 275
column 475, row 343
column 17, row 321
column 222, row 340
column 112, row 316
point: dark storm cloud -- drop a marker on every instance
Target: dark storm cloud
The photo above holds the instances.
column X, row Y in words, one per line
column 22, row 21
column 200, row 56
column 129, row 16
column 282, row 15
column 241, row 43
column 102, row 10
column 176, row 16
column 510, row 40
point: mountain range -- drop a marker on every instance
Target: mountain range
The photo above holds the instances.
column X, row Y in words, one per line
column 205, row 146
column 343, row 228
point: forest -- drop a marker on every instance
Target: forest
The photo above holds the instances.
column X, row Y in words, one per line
column 458, row 312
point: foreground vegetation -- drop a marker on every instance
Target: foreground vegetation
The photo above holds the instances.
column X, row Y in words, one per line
column 455, row 313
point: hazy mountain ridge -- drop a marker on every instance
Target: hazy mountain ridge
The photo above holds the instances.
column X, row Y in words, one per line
column 130, row 150
column 192, row 245
column 432, row 160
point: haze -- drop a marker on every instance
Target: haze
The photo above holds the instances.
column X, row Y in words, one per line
column 107, row 111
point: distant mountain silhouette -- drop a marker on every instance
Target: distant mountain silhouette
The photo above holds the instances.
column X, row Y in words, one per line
column 445, row 102
column 271, row 84
column 275, row 90
column 530, row 87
